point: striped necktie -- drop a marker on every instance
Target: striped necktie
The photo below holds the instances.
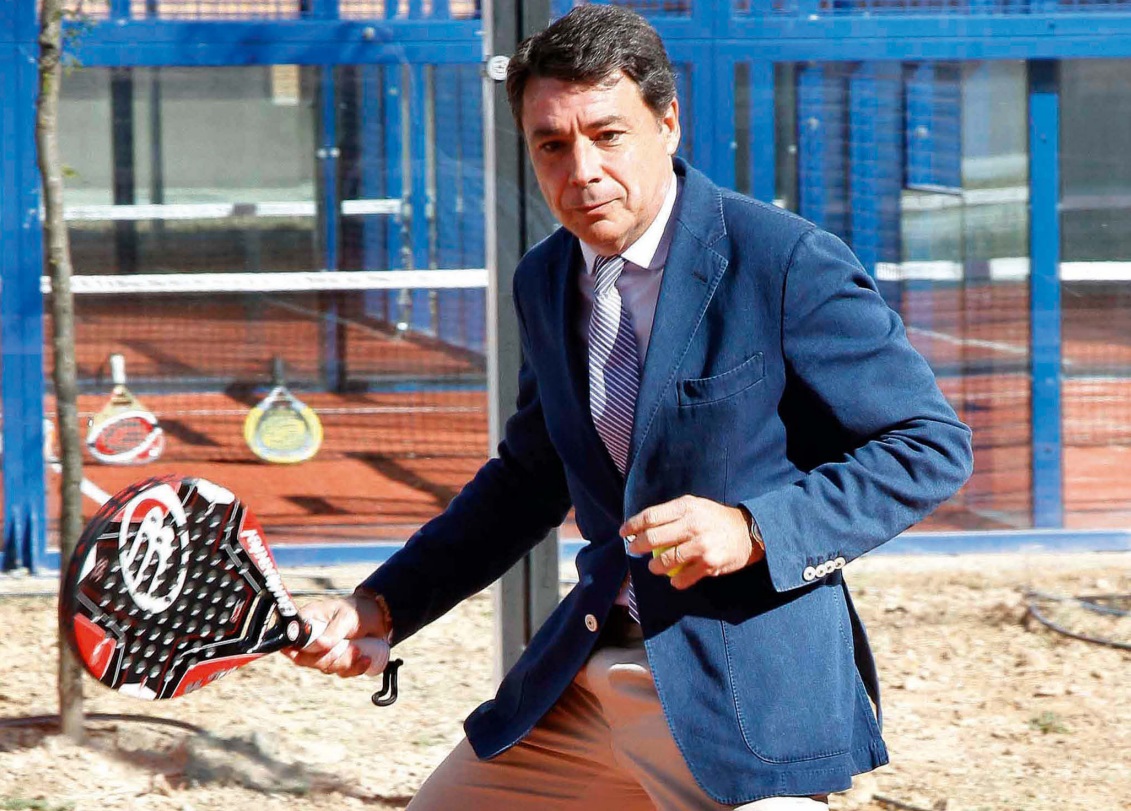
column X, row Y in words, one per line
column 614, row 370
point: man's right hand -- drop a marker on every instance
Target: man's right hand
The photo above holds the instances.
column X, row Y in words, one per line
column 347, row 618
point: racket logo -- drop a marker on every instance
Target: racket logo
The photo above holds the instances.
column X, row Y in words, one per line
column 154, row 560
column 283, row 431
column 253, row 543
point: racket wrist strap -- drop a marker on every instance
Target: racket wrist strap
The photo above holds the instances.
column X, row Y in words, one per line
column 388, row 692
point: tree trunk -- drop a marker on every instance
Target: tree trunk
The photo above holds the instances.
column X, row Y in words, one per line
column 63, row 338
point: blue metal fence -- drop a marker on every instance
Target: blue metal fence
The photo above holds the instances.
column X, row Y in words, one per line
column 877, row 98
column 21, row 306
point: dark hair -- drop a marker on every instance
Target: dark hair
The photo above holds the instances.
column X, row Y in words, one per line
column 590, row 46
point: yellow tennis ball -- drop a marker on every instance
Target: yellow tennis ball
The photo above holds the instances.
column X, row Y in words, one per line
column 660, row 550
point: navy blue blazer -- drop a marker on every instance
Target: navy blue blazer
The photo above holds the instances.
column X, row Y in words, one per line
column 777, row 378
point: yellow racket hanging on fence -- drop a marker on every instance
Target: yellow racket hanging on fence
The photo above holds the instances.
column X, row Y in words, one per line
column 281, row 428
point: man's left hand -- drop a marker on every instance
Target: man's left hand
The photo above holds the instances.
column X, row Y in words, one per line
column 699, row 537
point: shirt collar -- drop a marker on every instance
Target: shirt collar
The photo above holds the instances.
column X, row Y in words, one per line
column 650, row 250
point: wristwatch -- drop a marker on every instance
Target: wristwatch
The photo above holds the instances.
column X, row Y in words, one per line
column 752, row 526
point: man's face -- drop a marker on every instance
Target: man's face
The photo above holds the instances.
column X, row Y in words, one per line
column 601, row 156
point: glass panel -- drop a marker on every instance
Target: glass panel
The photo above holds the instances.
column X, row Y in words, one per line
column 756, row 138
column 658, row 7
column 217, row 9
column 282, row 9
column 743, row 137
column 650, row 8
column 378, row 178
column 184, row 170
column 392, row 9
column 922, row 169
column 190, row 169
column 1096, row 290
column 966, row 272
column 785, row 136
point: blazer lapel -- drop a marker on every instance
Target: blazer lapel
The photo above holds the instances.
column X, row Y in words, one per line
column 691, row 274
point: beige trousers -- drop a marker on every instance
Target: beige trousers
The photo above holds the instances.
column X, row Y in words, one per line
column 605, row 746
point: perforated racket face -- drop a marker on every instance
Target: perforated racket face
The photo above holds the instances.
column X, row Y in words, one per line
column 126, row 437
column 281, row 429
column 172, row 587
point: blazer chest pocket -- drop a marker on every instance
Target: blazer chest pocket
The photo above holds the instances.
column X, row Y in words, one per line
column 704, row 390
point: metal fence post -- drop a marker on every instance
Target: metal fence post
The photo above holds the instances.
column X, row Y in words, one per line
column 527, row 593
column 21, row 302
column 1044, row 292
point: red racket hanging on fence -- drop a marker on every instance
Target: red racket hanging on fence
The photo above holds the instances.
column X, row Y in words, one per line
column 124, row 432
column 172, row 586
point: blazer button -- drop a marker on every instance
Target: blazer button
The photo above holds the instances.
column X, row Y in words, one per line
column 591, row 622
column 839, row 563
column 809, row 574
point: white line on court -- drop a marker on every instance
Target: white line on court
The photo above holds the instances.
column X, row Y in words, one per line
column 997, row 346
column 88, row 488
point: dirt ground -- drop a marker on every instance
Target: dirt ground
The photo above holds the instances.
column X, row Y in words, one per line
column 985, row 710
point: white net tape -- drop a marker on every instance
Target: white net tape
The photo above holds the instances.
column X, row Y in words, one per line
column 291, row 282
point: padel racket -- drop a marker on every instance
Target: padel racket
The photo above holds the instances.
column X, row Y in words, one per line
column 124, row 432
column 172, row 586
column 281, row 428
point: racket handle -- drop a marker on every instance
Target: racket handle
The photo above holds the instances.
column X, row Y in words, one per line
column 118, row 369
column 376, row 649
column 378, row 652
column 313, row 630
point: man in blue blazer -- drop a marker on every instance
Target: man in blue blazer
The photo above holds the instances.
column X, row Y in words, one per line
column 717, row 388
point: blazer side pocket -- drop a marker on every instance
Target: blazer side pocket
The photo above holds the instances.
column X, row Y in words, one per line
column 793, row 677
column 704, row 390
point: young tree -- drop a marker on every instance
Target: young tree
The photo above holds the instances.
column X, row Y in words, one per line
column 63, row 335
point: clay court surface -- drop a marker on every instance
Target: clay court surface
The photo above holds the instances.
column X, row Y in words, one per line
column 391, row 461
column 408, row 426
column 983, row 710
column 370, row 481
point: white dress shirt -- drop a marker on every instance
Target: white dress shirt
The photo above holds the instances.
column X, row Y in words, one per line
column 639, row 282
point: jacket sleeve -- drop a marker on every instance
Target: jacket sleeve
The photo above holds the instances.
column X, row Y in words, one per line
column 510, row 505
column 849, row 352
